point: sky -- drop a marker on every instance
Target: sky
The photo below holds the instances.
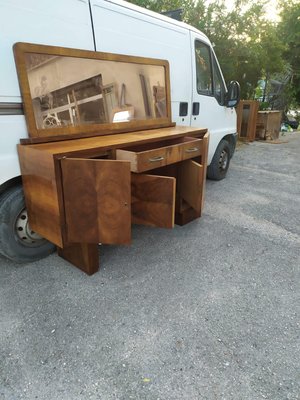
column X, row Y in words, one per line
column 271, row 11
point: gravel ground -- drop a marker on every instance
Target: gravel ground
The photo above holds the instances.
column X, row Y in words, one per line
column 205, row 311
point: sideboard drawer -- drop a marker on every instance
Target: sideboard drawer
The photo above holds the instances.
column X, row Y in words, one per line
column 191, row 148
column 145, row 160
column 155, row 155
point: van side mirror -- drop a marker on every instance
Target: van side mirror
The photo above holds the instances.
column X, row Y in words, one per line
column 233, row 94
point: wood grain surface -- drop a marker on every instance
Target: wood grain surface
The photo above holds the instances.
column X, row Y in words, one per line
column 190, row 184
column 41, row 193
column 153, row 200
column 84, row 256
column 97, row 201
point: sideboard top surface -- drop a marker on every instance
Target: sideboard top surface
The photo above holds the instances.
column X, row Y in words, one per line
column 97, row 143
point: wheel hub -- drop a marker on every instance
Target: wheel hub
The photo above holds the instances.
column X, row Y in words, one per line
column 223, row 160
column 25, row 234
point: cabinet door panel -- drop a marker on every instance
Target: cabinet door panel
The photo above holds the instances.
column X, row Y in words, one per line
column 190, row 186
column 97, row 200
column 153, row 200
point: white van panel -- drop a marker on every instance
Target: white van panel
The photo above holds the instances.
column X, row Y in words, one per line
column 120, row 29
column 54, row 22
column 14, row 128
column 220, row 120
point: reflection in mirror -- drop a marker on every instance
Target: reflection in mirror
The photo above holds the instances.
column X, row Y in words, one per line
column 72, row 91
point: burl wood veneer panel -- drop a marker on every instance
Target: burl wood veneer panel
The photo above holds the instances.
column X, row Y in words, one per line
column 153, row 200
column 191, row 179
column 41, row 194
column 97, row 201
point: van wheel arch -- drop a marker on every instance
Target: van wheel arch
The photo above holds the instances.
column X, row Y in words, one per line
column 16, row 181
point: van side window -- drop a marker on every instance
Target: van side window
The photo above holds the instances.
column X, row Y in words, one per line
column 219, row 89
column 203, row 69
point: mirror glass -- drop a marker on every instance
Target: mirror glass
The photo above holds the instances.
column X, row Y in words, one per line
column 73, row 91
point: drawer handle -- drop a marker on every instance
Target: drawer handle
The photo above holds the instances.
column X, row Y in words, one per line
column 158, row 158
column 192, row 150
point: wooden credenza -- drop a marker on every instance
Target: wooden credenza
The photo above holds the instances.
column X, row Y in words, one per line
column 95, row 163
column 87, row 191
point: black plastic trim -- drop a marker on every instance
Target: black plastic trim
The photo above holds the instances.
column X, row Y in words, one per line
column 183, row 109
column 11, row 108
column 196, row 108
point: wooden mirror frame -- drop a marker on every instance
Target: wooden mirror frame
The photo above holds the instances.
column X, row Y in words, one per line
column 38, row 135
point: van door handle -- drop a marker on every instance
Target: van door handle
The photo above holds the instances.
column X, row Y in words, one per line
column 183, row 109
column 196, row 108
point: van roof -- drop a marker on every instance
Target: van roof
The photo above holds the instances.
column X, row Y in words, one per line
column 156, row 15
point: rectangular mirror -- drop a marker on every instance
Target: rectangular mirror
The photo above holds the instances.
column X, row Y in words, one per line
column 69, row 92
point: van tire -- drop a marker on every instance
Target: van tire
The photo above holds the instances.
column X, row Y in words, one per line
column 220, row 163
column 17, row 241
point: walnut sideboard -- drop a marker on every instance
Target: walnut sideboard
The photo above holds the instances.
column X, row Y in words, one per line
column 93, row 165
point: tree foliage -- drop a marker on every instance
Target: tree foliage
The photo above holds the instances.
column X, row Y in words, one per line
column 289, row 29
column 248, row 45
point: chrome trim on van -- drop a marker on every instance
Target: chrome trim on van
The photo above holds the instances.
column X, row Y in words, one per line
column 11, row 109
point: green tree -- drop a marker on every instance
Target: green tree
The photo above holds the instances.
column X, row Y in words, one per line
column 289, row 29
column 247, row 45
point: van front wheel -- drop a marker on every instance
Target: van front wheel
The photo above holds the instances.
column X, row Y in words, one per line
column 219, row 164
column 18, row 241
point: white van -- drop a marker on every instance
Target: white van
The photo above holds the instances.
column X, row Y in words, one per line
column 198, row 91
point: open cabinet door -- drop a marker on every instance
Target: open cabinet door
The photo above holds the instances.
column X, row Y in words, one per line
column 190, row 184
column 97, row 200
column 153, row 200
